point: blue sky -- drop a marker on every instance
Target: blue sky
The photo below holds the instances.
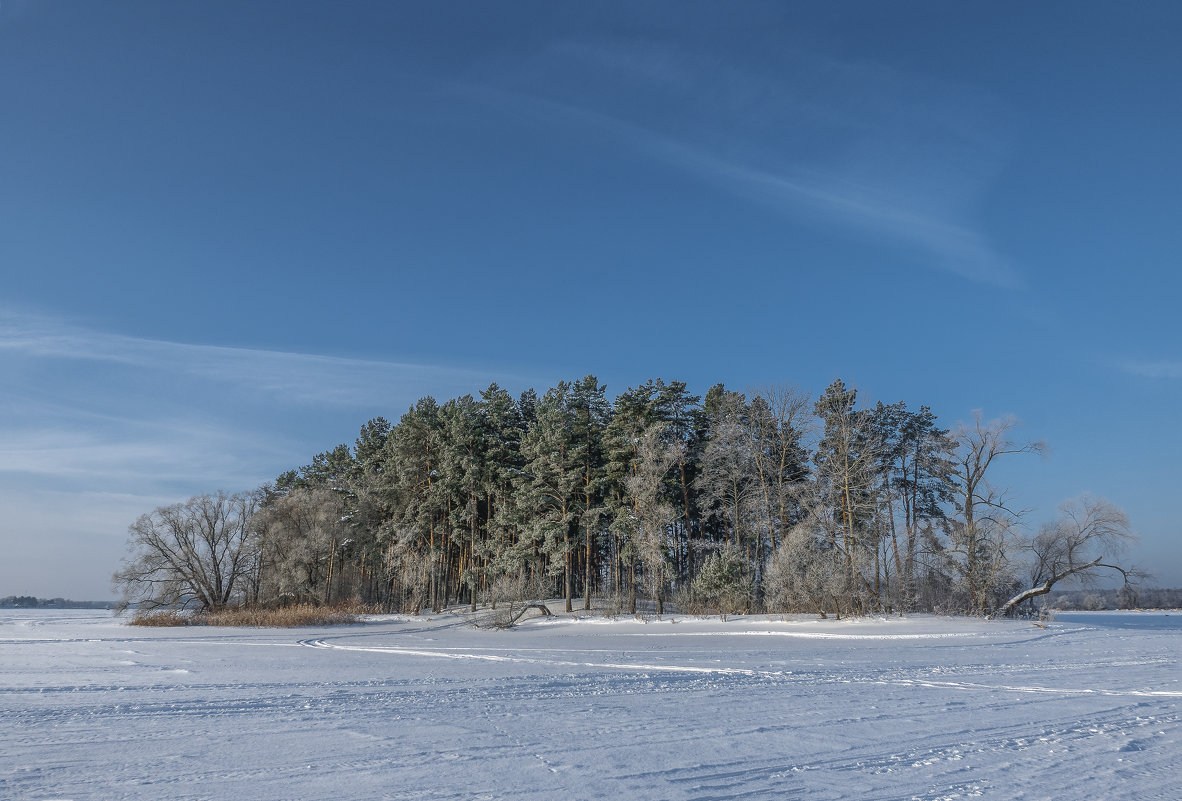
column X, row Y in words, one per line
column 232, row 232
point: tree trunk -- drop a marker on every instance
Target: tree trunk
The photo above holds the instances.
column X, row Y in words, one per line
column 1009, row 606
column 587, row 569
column 332, row 552
column 632, row 588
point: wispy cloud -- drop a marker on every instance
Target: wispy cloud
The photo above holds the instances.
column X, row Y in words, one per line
column 141, row 454
column 1155, row 369
column 954, row 247
column 301, row 378
column 97, row 428
column 856, row 145
column 105, row 411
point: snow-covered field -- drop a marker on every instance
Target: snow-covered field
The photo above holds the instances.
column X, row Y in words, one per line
column 679, row 708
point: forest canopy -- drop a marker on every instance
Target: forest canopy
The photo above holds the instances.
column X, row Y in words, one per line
column 728, row 502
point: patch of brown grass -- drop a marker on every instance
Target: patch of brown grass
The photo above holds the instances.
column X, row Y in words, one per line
column 285, row 617
column 288, row 616
column 162, row 617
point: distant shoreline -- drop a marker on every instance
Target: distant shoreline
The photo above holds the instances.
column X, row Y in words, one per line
column 30, row 602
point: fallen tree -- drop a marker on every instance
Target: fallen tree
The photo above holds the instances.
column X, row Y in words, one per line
column 1087, row 540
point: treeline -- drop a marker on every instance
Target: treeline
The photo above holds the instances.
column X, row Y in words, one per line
column 29, row 602
column 729, row 502
column 1120, row 598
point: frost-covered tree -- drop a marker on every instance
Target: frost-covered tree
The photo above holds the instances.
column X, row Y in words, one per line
column 728, row 478
column 921, row 469
column 502, row 552
column 681, row 413
column 1087, row 540
column 804, row 574
column 416, row 529
column 651, row 512
column 847, row 472
column 724, row 582
column 780, row 423
column 300, row 537
column 633, row 414
column 981, row 536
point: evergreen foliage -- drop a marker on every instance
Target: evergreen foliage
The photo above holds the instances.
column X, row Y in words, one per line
column 766, row 500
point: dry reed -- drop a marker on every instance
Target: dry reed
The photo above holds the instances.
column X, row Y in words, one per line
column 284, row 617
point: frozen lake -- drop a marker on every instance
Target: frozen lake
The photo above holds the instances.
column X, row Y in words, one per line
column 1171, row 620
column 682, row 708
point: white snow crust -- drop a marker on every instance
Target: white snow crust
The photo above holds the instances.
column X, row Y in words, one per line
column 429, row 707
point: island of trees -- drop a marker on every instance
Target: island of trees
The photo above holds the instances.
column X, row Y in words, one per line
column 731, row 502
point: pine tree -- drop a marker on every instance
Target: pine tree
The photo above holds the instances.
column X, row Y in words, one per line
column 374, row 503
column 590, row 412
column 415, row 534
column 921, row 470
column 462, row 468
column 846, row 469
column 682, row 414
column 527, row 406
column 550, row 483
column 502, row 429
column 728, row 479
column 633, row 415
column 331, row 469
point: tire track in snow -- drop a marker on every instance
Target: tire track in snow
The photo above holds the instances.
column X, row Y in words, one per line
column 941, row 754
column 732, row 671
column 968, row 685
column 379, row 649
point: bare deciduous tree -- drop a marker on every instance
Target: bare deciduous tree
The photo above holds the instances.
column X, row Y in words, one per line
column 987, row 515
column 1087, row 539
column 652, row 511
column 408, row 568
column 193, row 554
column 728, row 480
column 512, row 596
column 781, row 423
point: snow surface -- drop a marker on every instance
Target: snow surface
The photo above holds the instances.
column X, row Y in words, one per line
column 680, row 708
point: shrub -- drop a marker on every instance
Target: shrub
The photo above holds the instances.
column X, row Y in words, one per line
column 510, row 596
column 722, row 583
column 162, row 617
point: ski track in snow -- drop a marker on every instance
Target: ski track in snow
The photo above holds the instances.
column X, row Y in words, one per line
column 401, row 707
